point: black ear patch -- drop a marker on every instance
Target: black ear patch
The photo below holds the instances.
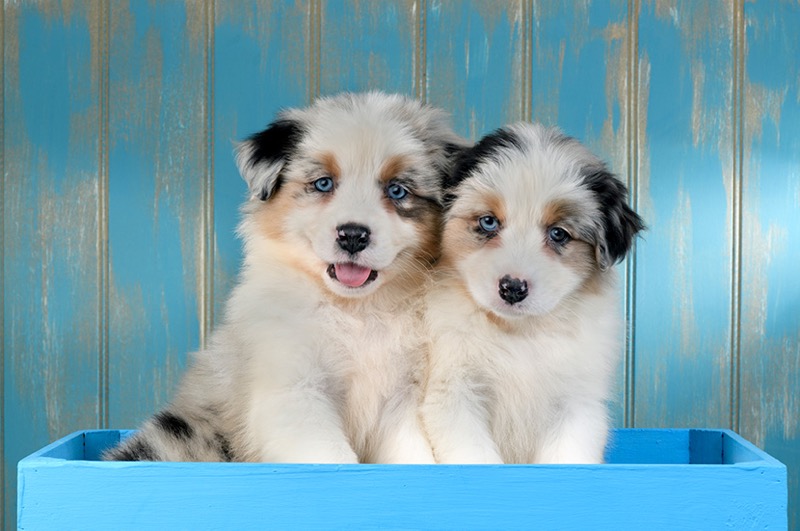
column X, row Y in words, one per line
column 469, row 159
column 262, row 157
column 620, row 224
column 276, row 142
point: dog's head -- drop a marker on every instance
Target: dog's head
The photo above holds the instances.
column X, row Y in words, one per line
column 350, row 188
column 533, row 218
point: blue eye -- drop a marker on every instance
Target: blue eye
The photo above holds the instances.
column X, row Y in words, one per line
column 489, row 224
column 558, row 235
column 325, row 184
column 396, row 192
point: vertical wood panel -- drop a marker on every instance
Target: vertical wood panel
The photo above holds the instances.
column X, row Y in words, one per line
column 367, row 45
column 157, row 141
column 2, row 267
column 51, row 142
column 579, row 83
column 770, row 343
column 685, row 181
column 261, row 65
column 475, row 62
column 174, row 191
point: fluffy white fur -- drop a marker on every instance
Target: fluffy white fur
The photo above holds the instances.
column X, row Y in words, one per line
column 305, row 368
column 526, row 382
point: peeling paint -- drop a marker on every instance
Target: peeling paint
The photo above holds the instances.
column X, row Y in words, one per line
column 50, row 198
column 367, row 45
column 475, row 63
column 157, row 175
column 613, row 137
column 683, row 365
column 568, row 62
column 682, row 292
column 645, row 207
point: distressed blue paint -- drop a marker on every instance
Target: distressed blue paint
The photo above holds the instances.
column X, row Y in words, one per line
column 476, row 68
column 581, row 94
column 683, row 304
column 260, row 67
column 674, row 494
column 156, row 178
column 49, row 259
column 366, row 45
column 475, row 63
column 770, row 352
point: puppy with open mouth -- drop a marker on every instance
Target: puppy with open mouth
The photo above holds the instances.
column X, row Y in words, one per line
column 524, row 317
column 320, row 355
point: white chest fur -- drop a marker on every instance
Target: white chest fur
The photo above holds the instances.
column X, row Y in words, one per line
column 528, row 391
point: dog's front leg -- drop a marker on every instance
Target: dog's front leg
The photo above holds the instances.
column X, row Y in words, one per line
column 578, row 437
column 401, row 438
column 457, row 422
column 298, row 425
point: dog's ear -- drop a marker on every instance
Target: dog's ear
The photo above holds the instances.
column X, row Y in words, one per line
column 452, row 152
column 620, row 224
column 262, row 157
column 468, row 159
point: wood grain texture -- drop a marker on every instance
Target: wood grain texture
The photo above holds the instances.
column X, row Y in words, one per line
column 770, row 342
column 51, row 158
column 579, row 82
column 475, row 57
column 685, row 154
column 262, row 64
column 695, row 104
column 157, row 141
column 367, row 46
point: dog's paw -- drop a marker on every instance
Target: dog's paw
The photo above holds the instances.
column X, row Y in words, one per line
column 469, row 455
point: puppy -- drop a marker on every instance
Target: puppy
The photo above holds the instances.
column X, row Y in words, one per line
column 524, row 316
column 320, row 355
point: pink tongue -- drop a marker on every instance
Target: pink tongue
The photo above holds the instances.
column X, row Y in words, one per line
column 351, row 274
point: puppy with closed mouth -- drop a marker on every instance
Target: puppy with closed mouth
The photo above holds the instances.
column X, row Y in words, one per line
column 524, row 317
column 320, row 356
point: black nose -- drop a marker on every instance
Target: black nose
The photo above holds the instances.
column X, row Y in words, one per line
column 513, row 290
column 352, row 237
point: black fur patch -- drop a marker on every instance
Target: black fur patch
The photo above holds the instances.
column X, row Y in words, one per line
column 224, row 446
column 451, row 149
column 136, row 450
column 470, row 159
column 620, row 222
column 174, row 425
column 276, row 142
column 417, row 207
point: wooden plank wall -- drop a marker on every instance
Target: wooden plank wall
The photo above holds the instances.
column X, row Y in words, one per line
column 120, row 195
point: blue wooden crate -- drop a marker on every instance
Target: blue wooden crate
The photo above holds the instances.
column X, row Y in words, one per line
column 654, row 478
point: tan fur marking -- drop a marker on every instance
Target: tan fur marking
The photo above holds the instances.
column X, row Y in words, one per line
column 458, row 240
column 497, row 207
column 429, row 234
column 271, row 215
column 392, row 167
column 330, row 164
column 580, row 257
column 554, row 213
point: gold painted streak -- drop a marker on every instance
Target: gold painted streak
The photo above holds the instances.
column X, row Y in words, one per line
column 527, row 60
column 2, row 261
column 736, row 212
column 207, row 243
column 421, row 56
column 632, row 132
column 104, row 25
column 314, row 53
